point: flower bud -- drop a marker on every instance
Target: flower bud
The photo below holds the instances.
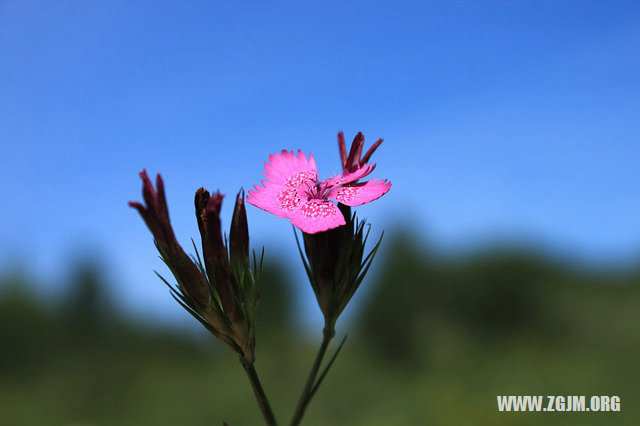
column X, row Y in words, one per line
column 239, row 235
column 336, row 266
column 223, row 299
column 156, row 216
column 213, row 250
column 355, row 159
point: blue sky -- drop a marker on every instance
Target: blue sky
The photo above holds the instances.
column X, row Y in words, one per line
column 500, row 119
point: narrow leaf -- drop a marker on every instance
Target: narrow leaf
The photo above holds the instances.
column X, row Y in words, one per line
column 326, row 369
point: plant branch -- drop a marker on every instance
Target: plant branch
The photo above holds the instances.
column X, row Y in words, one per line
column 310, row 386
column 261, row 397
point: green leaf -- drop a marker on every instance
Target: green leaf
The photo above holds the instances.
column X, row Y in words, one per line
column 302, row 256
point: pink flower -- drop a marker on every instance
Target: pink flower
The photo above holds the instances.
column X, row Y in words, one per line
column 292, row 190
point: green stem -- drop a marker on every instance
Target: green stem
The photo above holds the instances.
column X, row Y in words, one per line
column 261, row 397
column 307, row 392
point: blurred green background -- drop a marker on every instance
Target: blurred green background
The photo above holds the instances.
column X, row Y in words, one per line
column 436, row 337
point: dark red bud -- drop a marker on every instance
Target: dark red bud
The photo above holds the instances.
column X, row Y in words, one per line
column 343, row 149
column 214, row 252
column 370, row 151
column 156, row 215
column 239, row 234
column 208, row 215
column 148, row 193
column 356, row 149
column 355, row 159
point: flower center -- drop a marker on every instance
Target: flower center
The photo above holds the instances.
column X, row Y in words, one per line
column 319, row 190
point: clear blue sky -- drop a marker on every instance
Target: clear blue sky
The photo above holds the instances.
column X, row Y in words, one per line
column 499, row 118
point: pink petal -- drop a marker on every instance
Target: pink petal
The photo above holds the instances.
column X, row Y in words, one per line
column 290, row 169
column 360, row 193
column 351, row 177
column 317, row 215
column 277, row 199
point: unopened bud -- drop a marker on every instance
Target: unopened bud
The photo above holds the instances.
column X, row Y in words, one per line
column 239, row 234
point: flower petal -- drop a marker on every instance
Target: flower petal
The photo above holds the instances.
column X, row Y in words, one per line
column 360, row 193
column 277, row 199
column 349, row 177
column 317, row 215
column 290, row 169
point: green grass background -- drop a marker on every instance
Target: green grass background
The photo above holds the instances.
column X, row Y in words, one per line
column 435, row 339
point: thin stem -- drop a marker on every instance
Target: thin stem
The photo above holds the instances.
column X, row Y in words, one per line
column 261, row 397
column 307, row 392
